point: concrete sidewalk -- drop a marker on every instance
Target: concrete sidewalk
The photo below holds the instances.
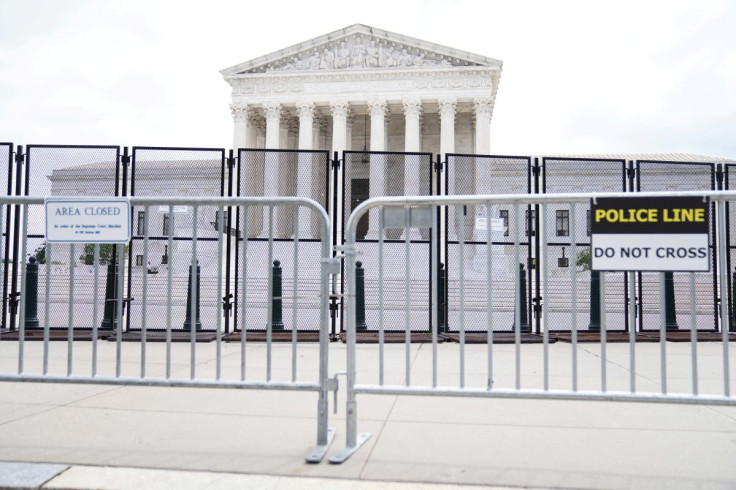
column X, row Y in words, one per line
column 111, row 436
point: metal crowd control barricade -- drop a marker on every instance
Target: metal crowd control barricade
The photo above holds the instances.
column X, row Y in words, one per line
column 499, row 375
column 111, row 364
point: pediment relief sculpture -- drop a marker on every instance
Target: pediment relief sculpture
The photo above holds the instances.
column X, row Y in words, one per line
column 360, row 53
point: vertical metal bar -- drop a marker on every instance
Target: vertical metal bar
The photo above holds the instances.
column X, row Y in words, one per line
column 95, row 307
column 244, row 279
column 144, row 304
column 269, row 301
column 194, row 298
column 632, row 331
column 517, row 294
column 351, row 435
column 381, row 337
column 723, row 268
column 434, row 317
column 170, row 266
column 295, row 294
column 602, row 290
column 324, row 334
column 574, row 293
column 47, row 318
column 662, row 333
column 70, row 327
column 693, row 335
column 22, row 318
column 120, row 284
column 489, row 296
column 460, row 211
column 220, row 237
column 545, row 334
column 407, row 293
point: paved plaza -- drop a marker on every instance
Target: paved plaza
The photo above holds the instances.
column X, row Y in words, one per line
column 93, row 436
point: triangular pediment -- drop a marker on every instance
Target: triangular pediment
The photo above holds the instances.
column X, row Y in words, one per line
column 360, row 47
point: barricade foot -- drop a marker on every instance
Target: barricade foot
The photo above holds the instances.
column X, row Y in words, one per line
column 348, row 451
column 316, row 455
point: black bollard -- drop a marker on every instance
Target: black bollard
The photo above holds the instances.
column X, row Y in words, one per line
column 360, row 324
column 525, row 327
column 670, row 317
column 277, row 322
column 188, row 319
column 110, row 317
column 441, row 288
column 31, row 307
column 595, row 302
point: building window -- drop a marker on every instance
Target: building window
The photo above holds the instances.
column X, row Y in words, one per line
column 141, row 222
column 563, row 222
column 166, row 225
column 530, row 225
column 587, row 227
column 138, row 260
column 504, row 215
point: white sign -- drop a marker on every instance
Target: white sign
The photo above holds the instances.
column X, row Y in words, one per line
column 497, row 224
column 650, row 234
column 87, row 220
column 481, row 223
column 655, row 252
column 177, row 209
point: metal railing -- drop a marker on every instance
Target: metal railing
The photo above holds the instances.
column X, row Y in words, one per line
column 412, row 212
column 107, row 365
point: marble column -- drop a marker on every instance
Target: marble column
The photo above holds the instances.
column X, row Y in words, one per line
column 272, row 164
column 447, row 108
column 482, row 108
column 412, row 144
column 340, row 112
column 305, row 171
column 377, row 183
column 252, row 170
column 240, row 125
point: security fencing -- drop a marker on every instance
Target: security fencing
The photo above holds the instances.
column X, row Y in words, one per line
column 371, row 174
column 294, row 236
column 93, row 301
column 401, row 215
column 340, row 183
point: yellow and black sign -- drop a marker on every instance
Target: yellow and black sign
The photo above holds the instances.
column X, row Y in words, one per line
column 650, row 234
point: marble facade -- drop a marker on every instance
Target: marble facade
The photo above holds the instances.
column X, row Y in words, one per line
column 361, row 88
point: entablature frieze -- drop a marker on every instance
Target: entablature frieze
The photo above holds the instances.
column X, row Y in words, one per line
column 464, row 85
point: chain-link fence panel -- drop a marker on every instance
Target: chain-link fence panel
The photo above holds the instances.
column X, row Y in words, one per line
column 567, row 224
column 729, row 183
column 64, row 170
column 476, row 174
column 174, row 172
column 295, row 233
column 678, row 176
column 373, row 174
column 6, row 186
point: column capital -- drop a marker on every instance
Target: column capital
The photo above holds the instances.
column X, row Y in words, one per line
column 447, row 106
column 305, row 109
column 377, row 108
column 412, row 107
column 350, row 119
column 340, row 108
column 240, row 112
column 483, row 106
column 272, row 109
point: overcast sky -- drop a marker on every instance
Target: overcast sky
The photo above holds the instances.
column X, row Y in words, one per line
column 578, row 77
